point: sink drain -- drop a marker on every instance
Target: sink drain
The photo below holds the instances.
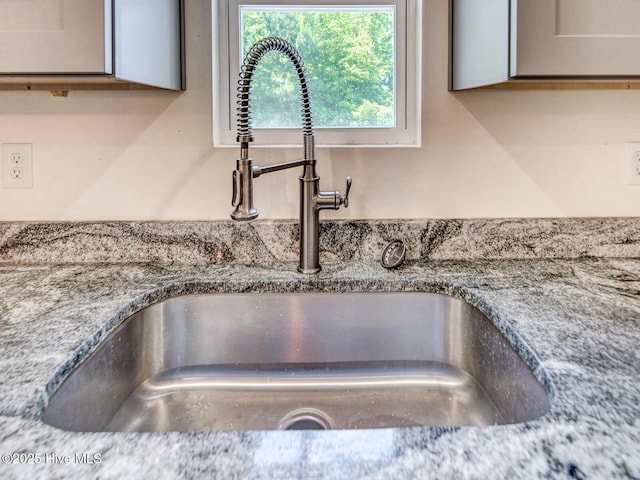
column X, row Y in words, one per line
column 306, row 419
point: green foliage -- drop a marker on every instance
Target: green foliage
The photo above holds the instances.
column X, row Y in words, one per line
column 349, row 62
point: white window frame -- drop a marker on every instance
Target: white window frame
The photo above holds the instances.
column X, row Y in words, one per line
column 408, row 50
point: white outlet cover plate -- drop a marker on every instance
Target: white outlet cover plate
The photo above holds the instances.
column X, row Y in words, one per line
column 25, row 151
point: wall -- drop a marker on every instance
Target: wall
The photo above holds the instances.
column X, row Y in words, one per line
column 148, row 155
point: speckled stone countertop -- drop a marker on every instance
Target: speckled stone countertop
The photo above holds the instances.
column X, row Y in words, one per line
column 568, row 289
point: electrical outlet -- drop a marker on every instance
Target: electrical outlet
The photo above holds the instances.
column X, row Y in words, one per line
column 17, row 165
column 632, row 162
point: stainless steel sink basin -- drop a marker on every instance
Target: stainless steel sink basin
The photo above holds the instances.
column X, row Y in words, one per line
column 299, row 361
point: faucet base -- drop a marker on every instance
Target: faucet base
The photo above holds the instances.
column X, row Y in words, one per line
column 245, row 216
column 308, row 271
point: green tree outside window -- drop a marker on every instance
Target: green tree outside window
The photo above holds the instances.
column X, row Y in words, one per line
column 349, row 59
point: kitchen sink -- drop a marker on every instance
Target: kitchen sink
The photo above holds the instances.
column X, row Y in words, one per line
column 215, row 362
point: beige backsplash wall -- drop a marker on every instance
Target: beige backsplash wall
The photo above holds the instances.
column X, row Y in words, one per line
column 148, row 155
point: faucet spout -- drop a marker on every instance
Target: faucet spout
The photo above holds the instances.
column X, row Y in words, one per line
column 312, row 200
column 251, row 60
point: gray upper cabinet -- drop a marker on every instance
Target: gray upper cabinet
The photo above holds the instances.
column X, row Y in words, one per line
column 495, row 41
column 92, row 42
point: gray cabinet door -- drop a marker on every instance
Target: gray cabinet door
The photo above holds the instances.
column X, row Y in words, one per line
column 55, row 36
column 575, row 38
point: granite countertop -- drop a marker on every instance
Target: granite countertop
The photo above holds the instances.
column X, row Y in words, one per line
column 569, row 289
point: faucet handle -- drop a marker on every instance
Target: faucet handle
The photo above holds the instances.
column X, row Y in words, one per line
column 345, row 198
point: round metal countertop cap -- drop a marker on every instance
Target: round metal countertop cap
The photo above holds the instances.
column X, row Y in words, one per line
column 393, row 254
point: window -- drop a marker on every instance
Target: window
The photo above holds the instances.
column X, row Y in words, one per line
column 362, row 59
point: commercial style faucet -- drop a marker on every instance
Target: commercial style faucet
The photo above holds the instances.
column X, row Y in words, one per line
column 312, row 200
